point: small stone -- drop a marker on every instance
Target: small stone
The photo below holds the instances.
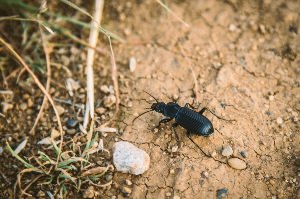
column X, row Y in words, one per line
column 23, row 106
column 129, row 104
column 232, row 28
column 174, row 149
column 127, row 31
column 204, row 174
column 217, row 65
column 72, row 123
column 132, row 64
column 227, row 151
column 213, row 154
column 274, row 197
column 294, row 113
column 114, row 197
column 237, row 163
column 244, row 154
column 71, row 131
column 289, row 110
column 272, row 182
column 29, row 102
column 168, row 194
column 172, row 171
column 108, row 177
column 60, row 109
column 262, row 28
column 279, row 120
column 128, row 158
column 100, row 110
column 271, row 97
column 1, row 150
column 176, row 197
column 41, row 194
column 6, row 106
column 128, row 182
column 109, row 100
column 89, row 192
column 222, row 193
column 295, row 119
column 126, row 190
column 105, row 89
column 71, row 86
column 175, row 97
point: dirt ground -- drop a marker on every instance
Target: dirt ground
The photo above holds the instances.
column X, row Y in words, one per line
column 238, row 58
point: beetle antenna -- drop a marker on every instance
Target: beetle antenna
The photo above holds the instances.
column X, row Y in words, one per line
column 151, row 96
column 140, row 115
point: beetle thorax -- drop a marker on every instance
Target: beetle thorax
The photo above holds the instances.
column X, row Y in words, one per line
column 171, row 109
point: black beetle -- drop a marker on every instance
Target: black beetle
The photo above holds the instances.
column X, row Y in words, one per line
column 194, row 122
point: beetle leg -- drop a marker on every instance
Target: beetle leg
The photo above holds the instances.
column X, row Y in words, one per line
column 221, row 118
column 165, row 120
column 188, row 105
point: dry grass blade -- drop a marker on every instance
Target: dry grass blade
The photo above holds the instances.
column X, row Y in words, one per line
column 100, row 185
column 91, row 54
column 19, row 179
column 48, row 66
column 20, row 147
column 114, row 76
column 19, row 59
column 106, row 129
column 33, row 181
column 26, row 164
column 173, row 13
column 6, row 92
column 99, row 27
column 99, row 171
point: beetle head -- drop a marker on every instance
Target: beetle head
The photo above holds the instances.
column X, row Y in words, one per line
column 158, row 107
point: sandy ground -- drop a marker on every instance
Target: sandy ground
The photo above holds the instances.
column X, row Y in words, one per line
column 239, row 60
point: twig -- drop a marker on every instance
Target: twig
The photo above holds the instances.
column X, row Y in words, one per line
column 19, row 59
column 6, row 92
column 90, row 59
column 47, row 56
column 68, row 102
column 114, row 76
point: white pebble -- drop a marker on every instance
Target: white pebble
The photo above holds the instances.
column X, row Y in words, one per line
column 227, row 151
column 128, row 182
column 176, row 197
column 132, row 64
column 128, row 158
column 232, row 28
column 279, row 120
column 213, row 154
column 168, row 194
column 174, row 149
